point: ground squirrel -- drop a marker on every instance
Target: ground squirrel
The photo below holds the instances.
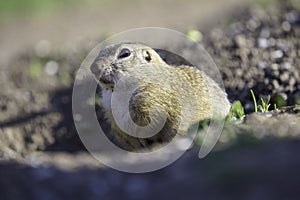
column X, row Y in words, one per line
column 170, row 88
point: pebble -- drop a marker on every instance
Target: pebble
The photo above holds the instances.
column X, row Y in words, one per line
column 276, row 54
column 282, row 47
column 265, row 33
column 276, row 73
column 272, row 42
column 266, row 81
column 292, row 17
column 275, row 84
column 275, row 67
column 263, row 43
column 262, row 65
column 286, row 26
column 284, row 77
column 292, row 81
column 51, row 67
column 286, row 65
column 252, row 24
column 240, row 41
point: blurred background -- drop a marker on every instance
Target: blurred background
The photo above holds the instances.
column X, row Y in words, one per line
column 255, row 44
column 69, row 25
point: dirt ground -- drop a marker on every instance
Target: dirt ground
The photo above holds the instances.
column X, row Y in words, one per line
column 42, row 157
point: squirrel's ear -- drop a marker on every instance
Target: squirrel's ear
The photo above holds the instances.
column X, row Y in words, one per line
column 147, row 56
column 150, row 55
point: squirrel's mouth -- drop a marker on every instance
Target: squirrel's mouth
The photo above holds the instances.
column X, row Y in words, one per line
column 107, row 82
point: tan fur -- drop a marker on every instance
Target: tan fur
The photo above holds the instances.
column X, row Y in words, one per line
column 186, row 86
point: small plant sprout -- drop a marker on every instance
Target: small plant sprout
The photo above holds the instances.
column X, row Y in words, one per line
column 254, row 100
column 264, row 106
column 236, row 110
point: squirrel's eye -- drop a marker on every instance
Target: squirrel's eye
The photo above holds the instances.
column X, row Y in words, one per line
column 124, row 53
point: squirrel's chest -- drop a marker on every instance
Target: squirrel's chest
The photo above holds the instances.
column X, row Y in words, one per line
column 107, row 96
column 106, row 99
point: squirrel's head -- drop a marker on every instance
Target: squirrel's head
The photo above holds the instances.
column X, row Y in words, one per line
column 121, row 58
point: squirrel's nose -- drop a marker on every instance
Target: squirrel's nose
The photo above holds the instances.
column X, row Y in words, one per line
column 98, row 65
column 106, row 77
